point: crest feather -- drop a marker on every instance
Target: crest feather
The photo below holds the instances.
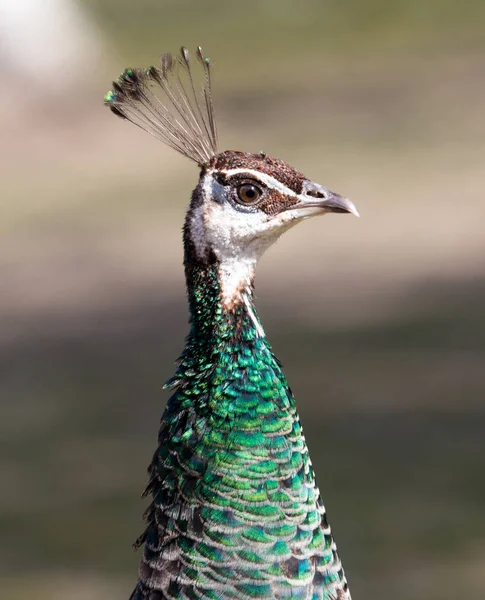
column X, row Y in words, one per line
column 171, row 102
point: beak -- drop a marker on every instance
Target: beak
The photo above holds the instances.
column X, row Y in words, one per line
column 337, row 204
column 315, row 195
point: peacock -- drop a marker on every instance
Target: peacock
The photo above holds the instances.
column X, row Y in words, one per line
column 235, row 511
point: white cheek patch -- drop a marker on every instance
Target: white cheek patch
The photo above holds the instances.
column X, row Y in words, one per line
column 233, row 233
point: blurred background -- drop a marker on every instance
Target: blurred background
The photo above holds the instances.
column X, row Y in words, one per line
column 379, row 321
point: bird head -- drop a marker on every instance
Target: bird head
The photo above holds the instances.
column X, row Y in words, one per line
column 244, row 202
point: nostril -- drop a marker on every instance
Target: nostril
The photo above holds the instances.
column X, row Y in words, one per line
column 315, row 194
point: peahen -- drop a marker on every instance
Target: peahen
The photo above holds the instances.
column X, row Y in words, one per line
column 235, row 510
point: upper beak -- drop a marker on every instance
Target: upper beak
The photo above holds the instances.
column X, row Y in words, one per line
column 336, row 203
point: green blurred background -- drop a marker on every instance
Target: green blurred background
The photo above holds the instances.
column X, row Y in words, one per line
column 379, row 321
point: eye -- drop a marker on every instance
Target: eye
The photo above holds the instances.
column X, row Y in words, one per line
column 248, row 193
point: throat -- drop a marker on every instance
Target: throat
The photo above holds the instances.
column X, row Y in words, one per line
column 236, row 278
column 221, row 297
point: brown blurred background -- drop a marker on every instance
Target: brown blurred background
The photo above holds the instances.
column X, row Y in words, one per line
column 380, row 321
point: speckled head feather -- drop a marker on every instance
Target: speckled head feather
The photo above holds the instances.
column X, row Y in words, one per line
column 234, row 159
column 165, row 102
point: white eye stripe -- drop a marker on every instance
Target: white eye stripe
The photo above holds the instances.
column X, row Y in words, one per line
column 268, row 181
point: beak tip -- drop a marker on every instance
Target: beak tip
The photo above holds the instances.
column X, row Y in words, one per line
column 350, row 207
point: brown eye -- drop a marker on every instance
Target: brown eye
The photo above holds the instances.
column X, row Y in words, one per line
column 248, row 193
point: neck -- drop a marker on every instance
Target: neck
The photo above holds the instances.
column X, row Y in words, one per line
column 221, row 297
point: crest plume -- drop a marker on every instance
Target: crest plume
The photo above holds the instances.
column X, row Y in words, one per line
column 172, row 102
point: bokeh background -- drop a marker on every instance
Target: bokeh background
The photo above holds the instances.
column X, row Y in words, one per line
column 380, row 321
